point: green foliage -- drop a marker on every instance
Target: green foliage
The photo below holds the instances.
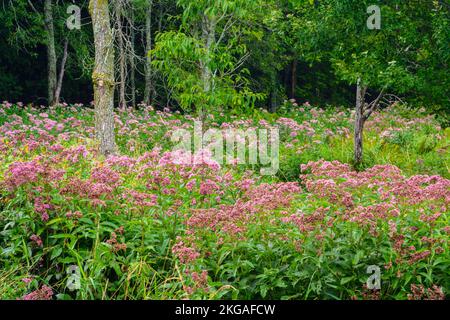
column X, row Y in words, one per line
column 249, row 60
column 185, row 56
column 269, row 259
column 399, row 57
column 396, row 135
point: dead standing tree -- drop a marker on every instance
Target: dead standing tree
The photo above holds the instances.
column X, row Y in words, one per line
column 363, row 112
column 132, row 56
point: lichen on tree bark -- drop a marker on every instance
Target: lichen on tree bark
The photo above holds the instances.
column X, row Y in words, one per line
column 103, row 76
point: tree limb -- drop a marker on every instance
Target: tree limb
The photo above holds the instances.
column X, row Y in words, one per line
column 32, row 7
column 373, row 105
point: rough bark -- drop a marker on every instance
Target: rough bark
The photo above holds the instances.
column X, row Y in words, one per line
column 148, row 66
column 61, row 73
column 132, row 59
column 51, row 51
column 103, row 76
column 122, row 55
column 209, row 36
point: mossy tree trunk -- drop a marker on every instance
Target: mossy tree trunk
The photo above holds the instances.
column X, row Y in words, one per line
column 103, row 76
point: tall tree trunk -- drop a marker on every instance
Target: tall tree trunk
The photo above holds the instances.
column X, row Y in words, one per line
column 359, row 123
column 103, row 76
column 209, row 38
column 293, row 78
column 132, row 58
column 148, row 46
column 61, row 73
column 122, row 56
column 51, row 51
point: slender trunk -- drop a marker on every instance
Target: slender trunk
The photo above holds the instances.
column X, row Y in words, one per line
column 132, row 61
column 160, row 20
column 148, row 48
column 273, row 101
column 61, row 73
column 51, row 51
column 209, row 38
column 286, row 80
column 293, row 78
column 273, row 94
column 359, row 123
column 103, row 76
column 122, row 57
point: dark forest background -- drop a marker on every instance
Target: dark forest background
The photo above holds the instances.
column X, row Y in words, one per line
column 274, row 50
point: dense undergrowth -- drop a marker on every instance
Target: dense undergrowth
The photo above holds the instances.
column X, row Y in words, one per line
column 140, row 225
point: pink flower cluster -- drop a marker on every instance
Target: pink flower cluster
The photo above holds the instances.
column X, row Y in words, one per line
column 257, row 203
column 307, row 222
column 186, row 158
column 42, row 208
column 36, row 240
column 419, row 292
column 335, row 180
column 140, row 199
column 44, row 293
column 20, row 173
column 116, row 246
column 186, row 253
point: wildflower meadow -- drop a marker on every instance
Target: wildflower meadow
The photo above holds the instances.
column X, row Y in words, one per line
column 152, row 222
column 224, row 159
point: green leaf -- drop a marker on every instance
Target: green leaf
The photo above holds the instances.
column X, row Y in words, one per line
column 346, row 280
column 263, row 291
column 56, row 253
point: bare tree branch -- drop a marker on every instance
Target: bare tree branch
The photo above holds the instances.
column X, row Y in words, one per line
column 373, row 105
column 32, row 7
